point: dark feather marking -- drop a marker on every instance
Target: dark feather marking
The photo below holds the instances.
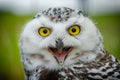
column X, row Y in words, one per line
column 110, row 73
column 104, row 76
column 49, row 75
column 118, row 76
column 58, row 14
column 89, row 78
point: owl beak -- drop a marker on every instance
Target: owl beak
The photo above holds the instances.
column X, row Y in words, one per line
column 60, row 54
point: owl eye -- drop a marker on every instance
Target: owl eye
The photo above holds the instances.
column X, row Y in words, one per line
column 43, row 31
column 74, row 30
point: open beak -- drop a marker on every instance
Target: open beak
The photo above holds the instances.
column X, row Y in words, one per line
column 60, row 54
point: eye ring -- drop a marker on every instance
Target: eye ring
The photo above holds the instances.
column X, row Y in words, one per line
column 74, row 30
column 44, row 31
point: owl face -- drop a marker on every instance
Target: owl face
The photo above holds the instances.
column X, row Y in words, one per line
column 59, row 37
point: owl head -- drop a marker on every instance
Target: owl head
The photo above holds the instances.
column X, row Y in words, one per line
column 59, row 37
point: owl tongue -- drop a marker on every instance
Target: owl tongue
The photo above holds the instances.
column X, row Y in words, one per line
column 60, row 54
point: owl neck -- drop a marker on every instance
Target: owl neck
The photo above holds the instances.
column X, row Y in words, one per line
column 92, row 55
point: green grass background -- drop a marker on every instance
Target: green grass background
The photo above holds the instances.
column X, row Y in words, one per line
column 11, row 27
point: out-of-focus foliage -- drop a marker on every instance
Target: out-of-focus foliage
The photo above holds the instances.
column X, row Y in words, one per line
column 11, row 26
column 109, row 26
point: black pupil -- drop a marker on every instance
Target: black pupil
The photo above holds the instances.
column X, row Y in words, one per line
column 73, row 30
column 45, row 31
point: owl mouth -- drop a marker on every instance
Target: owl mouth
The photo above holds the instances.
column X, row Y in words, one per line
column 60, row 54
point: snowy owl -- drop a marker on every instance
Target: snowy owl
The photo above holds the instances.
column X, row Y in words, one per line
column 63, row 44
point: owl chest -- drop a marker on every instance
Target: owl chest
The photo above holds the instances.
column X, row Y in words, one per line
column 49, row 75
column 82, row 73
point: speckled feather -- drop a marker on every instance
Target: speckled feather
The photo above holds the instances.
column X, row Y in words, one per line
column 106, row 68
column 58, row 14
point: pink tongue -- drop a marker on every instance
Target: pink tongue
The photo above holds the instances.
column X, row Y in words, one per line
column 60, row 55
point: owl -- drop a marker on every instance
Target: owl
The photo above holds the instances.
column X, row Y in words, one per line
column 63, row 44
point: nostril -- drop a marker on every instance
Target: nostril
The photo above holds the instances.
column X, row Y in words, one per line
column 59, row 43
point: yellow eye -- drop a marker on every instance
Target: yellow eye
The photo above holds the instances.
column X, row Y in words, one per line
column 74, row 30
column 43, row 31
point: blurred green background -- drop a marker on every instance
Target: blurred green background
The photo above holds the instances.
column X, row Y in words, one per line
column 12, row 25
